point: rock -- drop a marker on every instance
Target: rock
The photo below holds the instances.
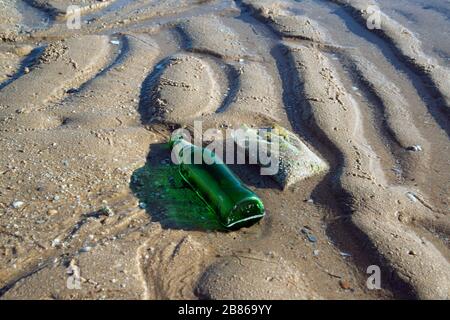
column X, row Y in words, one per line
column 142, row 205
column 56, row 243
column 17, row 204
column 288, row 163
column 107, row 211
column 411, row 196
column 86, row 249
column 414, row 148
column 345, row 284
column 309, row 235
column 52, row 212
column 23, row 50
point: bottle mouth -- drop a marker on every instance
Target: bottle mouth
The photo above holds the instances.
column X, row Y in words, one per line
column 245, row 213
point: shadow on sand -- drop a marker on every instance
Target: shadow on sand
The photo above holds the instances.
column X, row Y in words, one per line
column 167, row 197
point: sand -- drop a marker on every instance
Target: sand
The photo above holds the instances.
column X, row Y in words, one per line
column 87, row 194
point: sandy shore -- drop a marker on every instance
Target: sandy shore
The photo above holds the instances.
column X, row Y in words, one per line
column 87, row 193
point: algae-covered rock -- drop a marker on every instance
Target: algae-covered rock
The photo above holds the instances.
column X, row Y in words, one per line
column 280, row 153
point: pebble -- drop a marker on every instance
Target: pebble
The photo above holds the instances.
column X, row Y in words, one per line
column 52, row 212
column 26, row 70
column 86, row 249
column 414, row 148
column 316, row 252
column 142, row 205
column 309, row 235
column 17, row 204
column 345, row 284
column 107, row 211
column 411, row 196
column 311, row 238
column 116, row 42
column 56, row 242
column 23, row 50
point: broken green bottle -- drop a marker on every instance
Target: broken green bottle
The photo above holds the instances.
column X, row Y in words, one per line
column 222, row 191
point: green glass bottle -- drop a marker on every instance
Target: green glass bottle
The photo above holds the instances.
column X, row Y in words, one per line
column 224, row 193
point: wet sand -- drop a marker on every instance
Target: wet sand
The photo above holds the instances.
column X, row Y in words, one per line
column 84, row 173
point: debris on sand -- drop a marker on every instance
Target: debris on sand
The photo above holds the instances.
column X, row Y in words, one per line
column 17, row 204
column 411, row 196
column 295, row 160
column 414, row 148
column 142, row 205
column 308, row 233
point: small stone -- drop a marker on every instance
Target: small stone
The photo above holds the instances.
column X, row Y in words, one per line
column 411, row 196
column 345, row 284
column 142, row 205
column 414, row 148
column 56, row 243
column 56, row 198
column 86, row 249
column 316, row 253
column 52, row 212
column 23, row 50
column 116, row 42
column 311, row 238
column 105, row 210
column 26, row 70
column 17, row 204
column 309, row 235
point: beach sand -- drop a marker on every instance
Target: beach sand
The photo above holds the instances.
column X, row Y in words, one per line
column 85, row 115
